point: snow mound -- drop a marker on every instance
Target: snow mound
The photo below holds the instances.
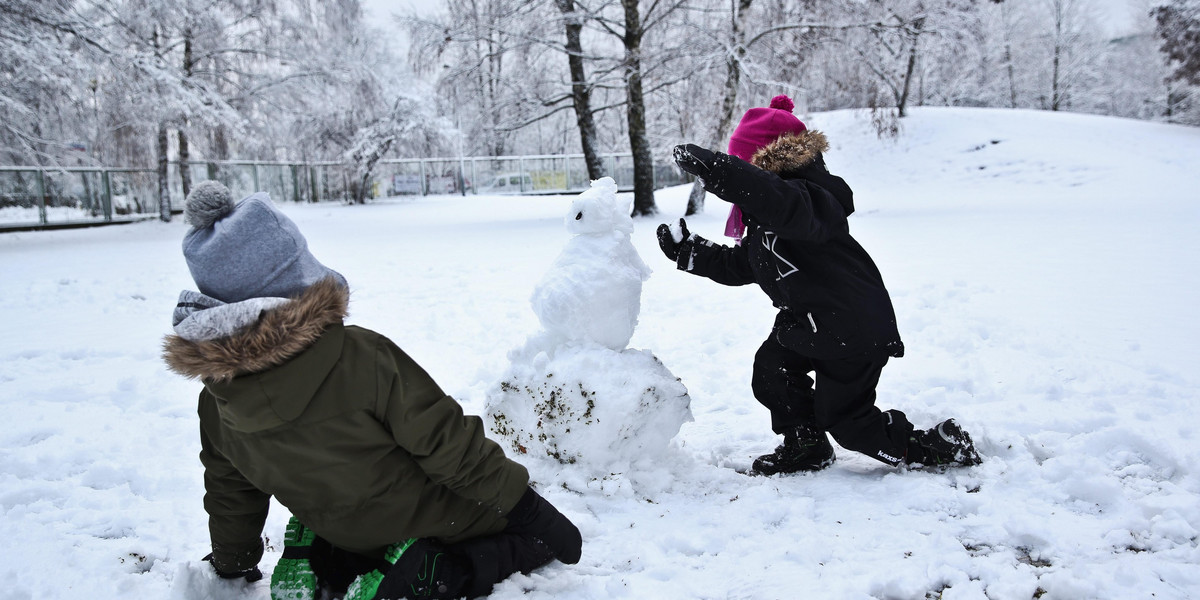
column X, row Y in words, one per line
column 589, row 405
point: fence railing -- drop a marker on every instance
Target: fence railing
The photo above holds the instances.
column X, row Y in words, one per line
column 46, row 197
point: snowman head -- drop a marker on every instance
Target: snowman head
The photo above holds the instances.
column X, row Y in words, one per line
column 598, row 210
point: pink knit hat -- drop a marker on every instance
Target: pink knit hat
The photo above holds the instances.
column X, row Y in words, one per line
column 761, row 126
column 758, row 128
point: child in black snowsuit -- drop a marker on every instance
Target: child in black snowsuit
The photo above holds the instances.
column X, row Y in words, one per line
column 835, row 316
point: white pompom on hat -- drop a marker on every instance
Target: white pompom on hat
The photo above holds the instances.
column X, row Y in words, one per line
column 246, row 250
column 207, row 202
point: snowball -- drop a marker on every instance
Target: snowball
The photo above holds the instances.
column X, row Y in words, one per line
column 677, row 232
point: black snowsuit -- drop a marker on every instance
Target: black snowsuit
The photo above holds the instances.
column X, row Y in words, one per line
column 835, row 315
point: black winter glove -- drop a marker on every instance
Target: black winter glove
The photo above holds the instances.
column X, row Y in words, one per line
column 250, row 575
column 666, row 240
column 694, row 159
column 537, row 517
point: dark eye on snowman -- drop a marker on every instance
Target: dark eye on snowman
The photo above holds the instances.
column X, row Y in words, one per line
column 579, row 216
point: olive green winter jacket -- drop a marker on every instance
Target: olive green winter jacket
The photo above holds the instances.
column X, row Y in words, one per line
column 342, row 428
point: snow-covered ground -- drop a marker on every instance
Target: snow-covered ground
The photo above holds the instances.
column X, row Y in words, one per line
column 1045, row 270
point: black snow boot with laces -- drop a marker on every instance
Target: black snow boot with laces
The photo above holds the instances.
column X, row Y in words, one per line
column 946, row 445
column 803, row 449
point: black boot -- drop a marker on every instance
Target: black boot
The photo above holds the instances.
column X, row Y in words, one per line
column 944, row 445
column 421, row 568
column 804, row 448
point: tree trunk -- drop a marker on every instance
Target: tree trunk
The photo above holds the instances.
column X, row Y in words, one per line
column 733, row 77
column 360, row 191
column 1055, row 92
column 494, row 73
column 164, row 187
column 580, row 92
column 696, row 198
column 185, row 171
column 1008, row 56
column 915, row 38
column 639, row 144
column 220, row 143
column 1012, row 77
column 367, row 166
column 1055, row 97
column 733, row 72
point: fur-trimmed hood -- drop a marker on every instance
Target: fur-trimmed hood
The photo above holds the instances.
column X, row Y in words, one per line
column 791, row 152
column 280, row 334
column 801, row 156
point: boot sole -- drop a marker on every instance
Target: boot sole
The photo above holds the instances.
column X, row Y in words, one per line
column 293, row 577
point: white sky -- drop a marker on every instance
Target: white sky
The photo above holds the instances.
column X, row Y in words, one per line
column 1119, row 16
column 380, row 11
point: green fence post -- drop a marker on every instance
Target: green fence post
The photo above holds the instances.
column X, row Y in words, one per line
column 108, row 207
column 295, row 185
column 462, row 175
column 42, row 197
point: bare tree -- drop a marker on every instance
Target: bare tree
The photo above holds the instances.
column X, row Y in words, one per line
column 1008, row 32
column 735, row 52
column 1072, row 47
column 477, row 47
column 408, row 118
column 1178, row 28
column 891, row 47
column 635, row 111
column 581, row 93
column 44, row 46
column 631, row 26
column 1178, row 24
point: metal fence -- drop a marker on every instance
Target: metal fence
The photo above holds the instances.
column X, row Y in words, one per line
column 32, row 197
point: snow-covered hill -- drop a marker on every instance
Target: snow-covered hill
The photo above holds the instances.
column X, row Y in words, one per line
column 1044, row 268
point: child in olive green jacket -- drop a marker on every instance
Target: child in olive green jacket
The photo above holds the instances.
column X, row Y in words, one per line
column 383, row 473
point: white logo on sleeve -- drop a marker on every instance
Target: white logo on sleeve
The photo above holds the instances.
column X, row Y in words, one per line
column 769, row 240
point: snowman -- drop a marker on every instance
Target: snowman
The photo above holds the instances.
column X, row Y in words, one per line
column 593, row 292
column 573, row 391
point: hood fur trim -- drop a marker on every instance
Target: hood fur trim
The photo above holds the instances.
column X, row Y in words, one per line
column 791, row 152
column 279, row 335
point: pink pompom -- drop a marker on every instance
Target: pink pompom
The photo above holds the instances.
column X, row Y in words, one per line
column 782, row 103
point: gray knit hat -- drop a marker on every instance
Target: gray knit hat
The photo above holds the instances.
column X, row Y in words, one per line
column 246, row 250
